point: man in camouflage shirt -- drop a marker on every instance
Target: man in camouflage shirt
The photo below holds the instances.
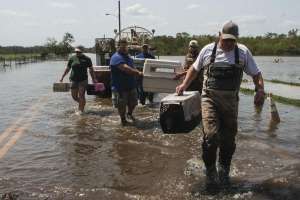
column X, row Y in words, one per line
column 190, row 58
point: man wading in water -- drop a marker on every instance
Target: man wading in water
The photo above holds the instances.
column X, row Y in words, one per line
column 123, row 82
column 145, row 54
column 79, row 77
column 190, row 58
column 223, row 63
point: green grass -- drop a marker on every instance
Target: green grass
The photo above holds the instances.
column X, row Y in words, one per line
column 282, row 82
column 17, row 56
column 280, row 99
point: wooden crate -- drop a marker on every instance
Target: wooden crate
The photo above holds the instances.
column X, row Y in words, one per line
column 61, row 87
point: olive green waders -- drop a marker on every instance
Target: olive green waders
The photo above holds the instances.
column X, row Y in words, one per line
column 219, row 114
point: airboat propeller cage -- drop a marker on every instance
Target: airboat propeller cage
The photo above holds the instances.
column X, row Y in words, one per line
column 135, row 35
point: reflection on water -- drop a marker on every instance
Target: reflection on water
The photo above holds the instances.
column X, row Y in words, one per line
column 60, row 155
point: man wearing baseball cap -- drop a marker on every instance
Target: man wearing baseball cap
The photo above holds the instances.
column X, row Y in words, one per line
column 78, row 65
column 224, row 63
column 145, row 54
column 123, row 82
column 190, row 58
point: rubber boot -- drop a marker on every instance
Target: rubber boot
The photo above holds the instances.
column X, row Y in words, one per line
column 224, row 178
column 211, row 180
column 124, row 122
column 209, row 156
column 225, row 156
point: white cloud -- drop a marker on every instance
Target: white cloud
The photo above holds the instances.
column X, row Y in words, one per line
column 61, row 4
column 137, row 10
column 13, row 13
column 192, row 6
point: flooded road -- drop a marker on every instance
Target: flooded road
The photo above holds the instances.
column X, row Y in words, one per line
column 48, row 152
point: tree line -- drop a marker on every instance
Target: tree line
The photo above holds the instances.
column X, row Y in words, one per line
column 51, row 47
column 272, row 44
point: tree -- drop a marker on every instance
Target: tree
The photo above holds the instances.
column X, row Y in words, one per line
column 62, row 48
column 65, row 44
column 293, row 33
column 182, row 35
column 51, row 44
column 68, row 38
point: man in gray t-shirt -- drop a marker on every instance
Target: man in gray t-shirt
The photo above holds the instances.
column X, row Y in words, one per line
column 224, row 63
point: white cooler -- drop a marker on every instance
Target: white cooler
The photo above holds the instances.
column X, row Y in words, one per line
column 159, row 74
column 139, row 63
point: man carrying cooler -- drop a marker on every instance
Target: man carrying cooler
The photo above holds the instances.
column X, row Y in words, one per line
column 145, row 54
column 123, row 82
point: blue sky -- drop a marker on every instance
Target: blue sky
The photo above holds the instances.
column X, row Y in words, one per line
column 31, row 22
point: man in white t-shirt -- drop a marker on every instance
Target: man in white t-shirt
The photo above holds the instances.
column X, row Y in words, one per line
column 224, row 63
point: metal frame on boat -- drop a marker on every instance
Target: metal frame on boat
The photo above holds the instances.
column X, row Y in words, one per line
column 136, row 36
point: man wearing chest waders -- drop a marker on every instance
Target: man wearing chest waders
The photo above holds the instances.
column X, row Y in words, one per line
column 78, row 65
column 223, row 63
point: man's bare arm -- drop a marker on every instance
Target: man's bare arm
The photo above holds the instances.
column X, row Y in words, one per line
column 92, row 73
column 259, row 88
column 128, row 70
column 64, row 74
column 190, row 76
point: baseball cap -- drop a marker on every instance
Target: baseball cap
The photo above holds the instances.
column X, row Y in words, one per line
column 230, row 30
column 189, row 60
column 193, row 43
column 123, row 41
column 78, row 49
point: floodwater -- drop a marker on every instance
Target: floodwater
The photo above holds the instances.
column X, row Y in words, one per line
column 49, row 152
column 287, row 69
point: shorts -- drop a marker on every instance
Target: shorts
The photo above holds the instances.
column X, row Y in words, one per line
column 78, row 84
column 123, row 99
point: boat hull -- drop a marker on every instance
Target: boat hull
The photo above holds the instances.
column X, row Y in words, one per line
column 103, row 75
